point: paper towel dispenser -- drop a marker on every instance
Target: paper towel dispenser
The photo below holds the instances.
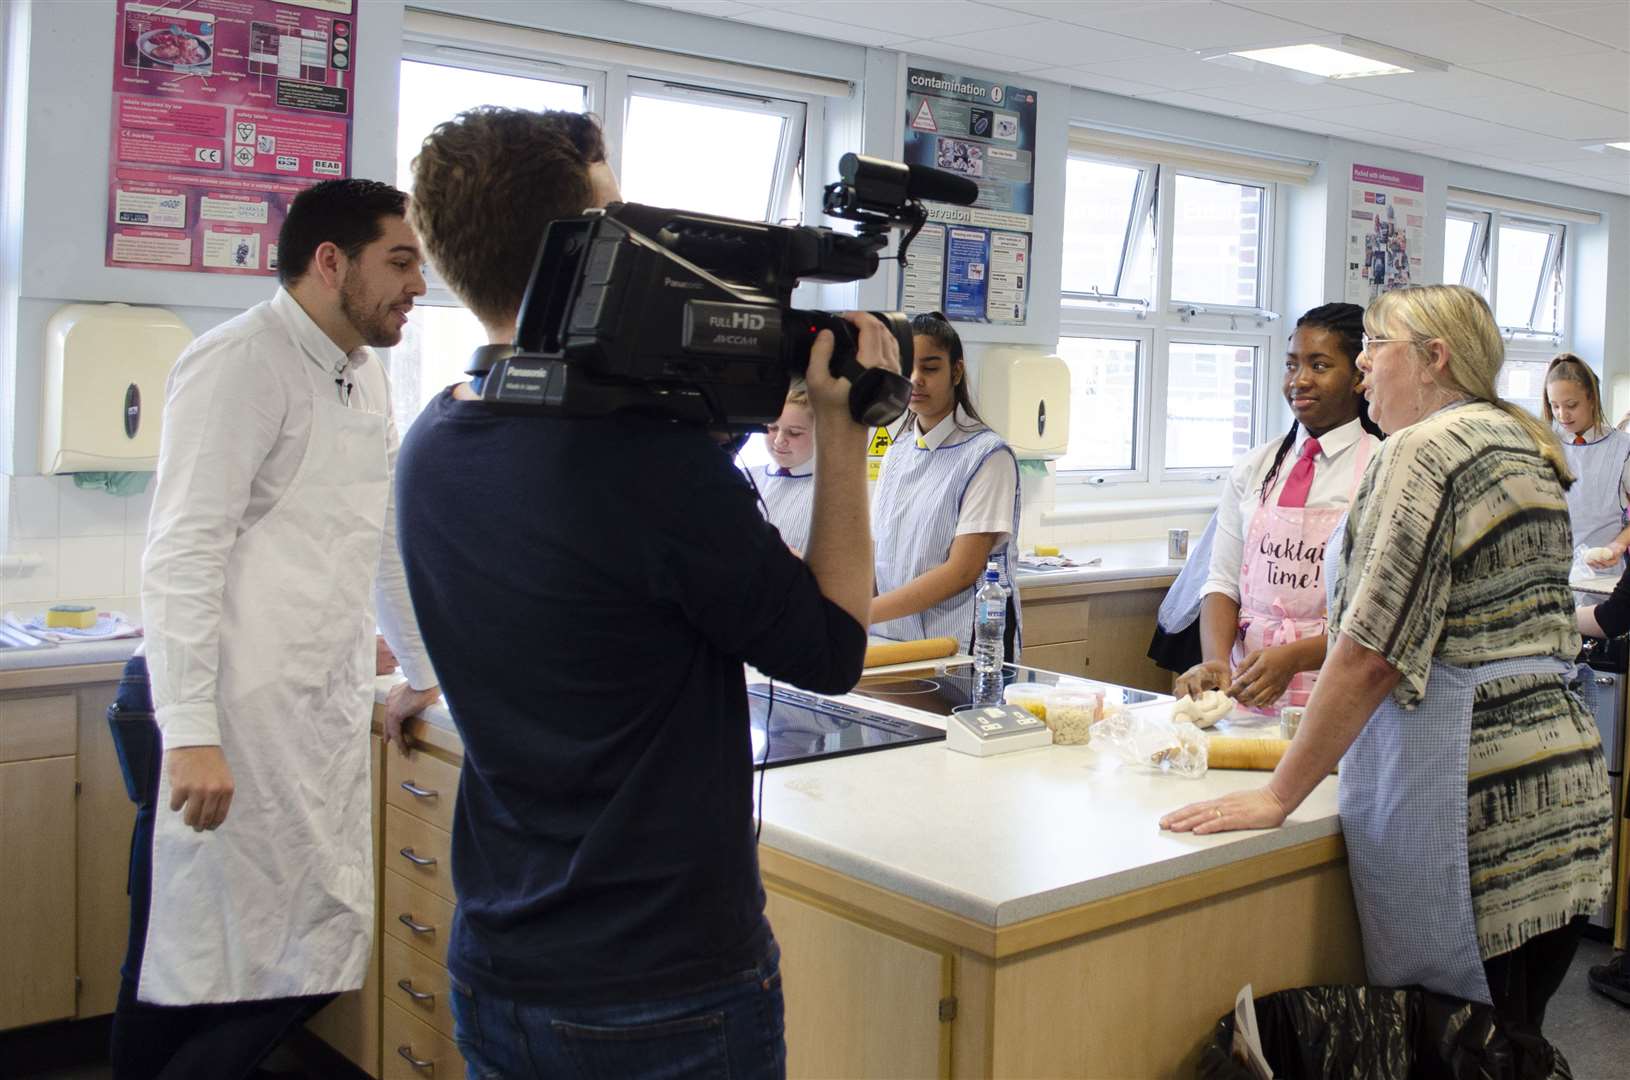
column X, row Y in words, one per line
column 1024, row 393
column 105, row 369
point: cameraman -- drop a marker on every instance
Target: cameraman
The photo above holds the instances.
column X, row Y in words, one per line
column 588, row 589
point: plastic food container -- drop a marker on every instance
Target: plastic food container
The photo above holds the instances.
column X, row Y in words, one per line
column 1029, row 696
column 1071, row 711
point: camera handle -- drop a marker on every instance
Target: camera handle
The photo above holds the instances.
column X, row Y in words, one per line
column 877, row 396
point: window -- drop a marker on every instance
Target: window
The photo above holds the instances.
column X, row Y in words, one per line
column 1167, row 278
column 753, row 150
column 1465, row 249
column 1528, row 272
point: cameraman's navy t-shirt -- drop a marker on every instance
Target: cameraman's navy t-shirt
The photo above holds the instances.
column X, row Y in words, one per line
column 588, row 591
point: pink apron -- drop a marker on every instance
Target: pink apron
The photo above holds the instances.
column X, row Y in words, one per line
column 1281, row 579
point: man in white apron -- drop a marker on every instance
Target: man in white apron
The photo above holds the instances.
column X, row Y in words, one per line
column 271, row 539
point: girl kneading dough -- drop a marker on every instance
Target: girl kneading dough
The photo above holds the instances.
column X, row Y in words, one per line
column 947, row 501
column 1599, row 456
column 1262, row 607
column 787, row 486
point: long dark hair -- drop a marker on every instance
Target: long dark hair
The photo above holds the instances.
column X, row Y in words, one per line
column 1346, row 321
column 934, row 326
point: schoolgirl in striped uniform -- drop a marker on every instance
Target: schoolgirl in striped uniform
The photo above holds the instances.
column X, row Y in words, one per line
column 787, row 487
column 1598, row 455
column 947, row 501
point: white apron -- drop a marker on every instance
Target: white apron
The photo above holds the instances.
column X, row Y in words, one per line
column 788, row 504
column 279, row 900
column 1594, row 508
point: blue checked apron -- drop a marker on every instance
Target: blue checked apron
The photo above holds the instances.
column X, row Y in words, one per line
column 1403, row 815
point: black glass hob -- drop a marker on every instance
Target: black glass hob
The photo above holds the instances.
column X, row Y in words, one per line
column 806, row 727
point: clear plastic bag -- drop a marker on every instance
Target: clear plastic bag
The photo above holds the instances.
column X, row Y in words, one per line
column 1149, row 740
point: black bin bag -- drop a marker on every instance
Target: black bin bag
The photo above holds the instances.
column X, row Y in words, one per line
column 1371, row 1033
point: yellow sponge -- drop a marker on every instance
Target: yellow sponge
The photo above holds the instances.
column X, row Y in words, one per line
column 1046, row 549
column 72, row 616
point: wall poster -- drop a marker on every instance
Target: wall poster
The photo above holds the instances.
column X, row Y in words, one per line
column 972, row 262
column 223, row 111
column 1386, row 232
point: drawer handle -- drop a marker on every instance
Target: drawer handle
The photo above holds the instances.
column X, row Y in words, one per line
column 1605, row 680
column 406, row 986
column 417, row 860
column 425, row 1066
column 417, row 928
column 418, row 792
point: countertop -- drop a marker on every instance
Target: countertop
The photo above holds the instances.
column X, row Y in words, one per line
column 1003, row 839
column 116, row 651
column 1121, row 560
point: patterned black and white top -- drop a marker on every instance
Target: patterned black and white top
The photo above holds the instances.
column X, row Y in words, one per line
column 1457, row 550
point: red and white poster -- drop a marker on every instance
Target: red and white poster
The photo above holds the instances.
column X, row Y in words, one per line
column 223, row 111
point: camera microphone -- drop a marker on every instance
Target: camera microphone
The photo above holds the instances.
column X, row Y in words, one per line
column 940, row 186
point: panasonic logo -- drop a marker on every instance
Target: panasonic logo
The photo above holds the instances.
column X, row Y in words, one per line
column 671, row 283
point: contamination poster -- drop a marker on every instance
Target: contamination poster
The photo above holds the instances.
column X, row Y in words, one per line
column 972, row 262
column 1386, row 232
column 223, row 111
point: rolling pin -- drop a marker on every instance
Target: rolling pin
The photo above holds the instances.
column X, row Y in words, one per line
column 1234, row 752
column 906, row 652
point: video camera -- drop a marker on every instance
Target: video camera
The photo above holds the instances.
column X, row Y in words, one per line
column 689, row 316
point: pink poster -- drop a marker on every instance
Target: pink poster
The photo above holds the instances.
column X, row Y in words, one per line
column 223, row 111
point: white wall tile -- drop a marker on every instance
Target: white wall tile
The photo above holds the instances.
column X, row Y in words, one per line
column 92, row 566
column 137, row 508
column 37, row 587
column 33, row 508
column 88, row 513
column 133, row 550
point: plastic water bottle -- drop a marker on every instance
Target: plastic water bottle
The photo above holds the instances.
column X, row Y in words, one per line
column 989, row 626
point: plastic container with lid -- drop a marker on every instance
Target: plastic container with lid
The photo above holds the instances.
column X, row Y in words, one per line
column 1028, row 695
column 1071, row 711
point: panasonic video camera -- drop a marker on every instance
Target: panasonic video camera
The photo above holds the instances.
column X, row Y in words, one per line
column 689, row 316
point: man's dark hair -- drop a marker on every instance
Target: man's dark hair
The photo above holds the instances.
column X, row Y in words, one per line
column 345, row 213
column 486, row 185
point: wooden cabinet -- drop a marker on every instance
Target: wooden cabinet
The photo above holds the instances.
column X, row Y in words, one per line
column 1097, row 630
column 414, row 1050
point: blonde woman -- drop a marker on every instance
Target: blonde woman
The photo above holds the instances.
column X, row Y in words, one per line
column 1474, row 797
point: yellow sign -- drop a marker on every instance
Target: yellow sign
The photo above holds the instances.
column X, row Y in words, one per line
column 873, row 467
column 880, row 443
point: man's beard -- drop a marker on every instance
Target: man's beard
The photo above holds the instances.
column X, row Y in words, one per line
column 377, row 328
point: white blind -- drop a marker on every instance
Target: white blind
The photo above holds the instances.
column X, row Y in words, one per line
column 505, row 38
column 1523, row 207
column 1191, row 156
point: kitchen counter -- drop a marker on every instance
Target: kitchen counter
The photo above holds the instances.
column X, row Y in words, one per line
column 31, row 667
column 1121, row 560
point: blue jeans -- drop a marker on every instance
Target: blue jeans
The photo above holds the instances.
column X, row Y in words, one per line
column 732, row 1030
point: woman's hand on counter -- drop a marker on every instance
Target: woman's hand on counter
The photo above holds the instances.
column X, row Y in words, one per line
column 1258, row 809
column 402, row 702
column 1210, row 675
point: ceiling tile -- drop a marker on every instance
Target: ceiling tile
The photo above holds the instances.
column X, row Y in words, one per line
column 1290, row 96
column 1412, row 122
column 717, row 8
column 1600, row 77
column 1318, row 125
column 1059, row 43
column 803, row 24
column 1183, row 99
column 1538, row 111
column 906, row 19
column 961, row 54
column 1608, row 165
column 1184, row 24
column 1516, row 145
column 1440, row 88
column 1176, row 71
column 1608, row 23
column 1456, row 31
column 1088, row 80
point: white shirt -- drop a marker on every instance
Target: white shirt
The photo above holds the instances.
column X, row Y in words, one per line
column 1334, row 482
column 237, row 417
column 987, row 505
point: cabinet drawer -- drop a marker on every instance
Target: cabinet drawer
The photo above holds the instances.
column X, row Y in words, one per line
column 421, row 785
column 38, row 727
column 419, row 852
column 430, row 916
column 1048, row 622
column 418, row 984
column 413, row 1050
column 1068, row 658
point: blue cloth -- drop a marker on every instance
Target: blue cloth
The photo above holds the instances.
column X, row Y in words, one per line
column 588, row 591
column 734, row 1028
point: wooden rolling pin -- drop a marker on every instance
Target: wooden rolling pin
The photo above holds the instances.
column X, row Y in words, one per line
column 1234, row 752
column 907, row 652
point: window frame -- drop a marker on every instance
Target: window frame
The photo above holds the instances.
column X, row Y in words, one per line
column 1474, row 268
column 1522, row 342
column 1160, row 321
column 1552, row 278
column 1145, row 202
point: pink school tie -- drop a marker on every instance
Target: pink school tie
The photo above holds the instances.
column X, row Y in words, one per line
column 1300, row 480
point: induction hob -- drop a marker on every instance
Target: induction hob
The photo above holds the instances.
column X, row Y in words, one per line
column 805, row 727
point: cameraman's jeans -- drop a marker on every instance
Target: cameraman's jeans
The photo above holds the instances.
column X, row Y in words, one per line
column 731, row 1029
